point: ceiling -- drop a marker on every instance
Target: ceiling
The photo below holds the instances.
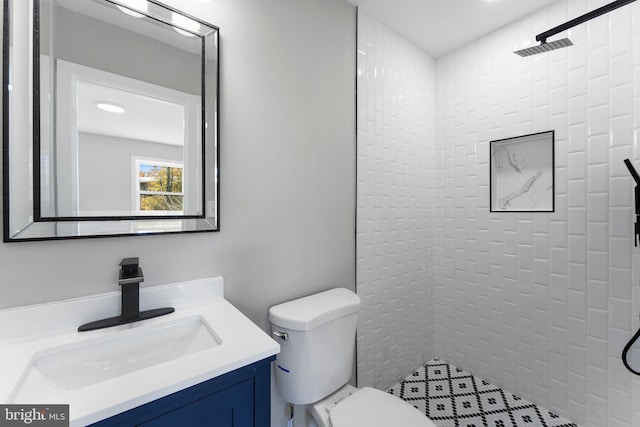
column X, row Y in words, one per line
column 145, row 118
column 440, row 26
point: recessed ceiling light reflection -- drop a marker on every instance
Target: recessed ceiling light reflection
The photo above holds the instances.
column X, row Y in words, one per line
column 110, row 107
column 184, row 23
column 128, row 5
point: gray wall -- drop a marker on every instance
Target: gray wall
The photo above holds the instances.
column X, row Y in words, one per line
column 84, row 40
column 105, row 169
column 287, row 174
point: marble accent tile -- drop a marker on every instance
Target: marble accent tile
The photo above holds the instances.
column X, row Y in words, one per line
column 522, row 173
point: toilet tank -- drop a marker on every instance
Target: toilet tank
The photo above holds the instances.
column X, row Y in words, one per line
column 316, row 354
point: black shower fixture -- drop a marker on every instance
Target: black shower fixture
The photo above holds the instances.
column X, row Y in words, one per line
column 557, row 44
column 636, row 178
column 630, row 352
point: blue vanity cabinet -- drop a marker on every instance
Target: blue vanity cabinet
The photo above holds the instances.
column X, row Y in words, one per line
column 241, row 398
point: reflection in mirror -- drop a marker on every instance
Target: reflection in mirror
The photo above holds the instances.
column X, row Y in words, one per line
column 120, row 99
column 106, row 122
column 631, row 354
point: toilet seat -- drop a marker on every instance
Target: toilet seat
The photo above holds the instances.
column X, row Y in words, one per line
column 374, row 408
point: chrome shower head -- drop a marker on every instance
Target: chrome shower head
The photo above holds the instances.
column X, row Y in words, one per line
column 544, row 47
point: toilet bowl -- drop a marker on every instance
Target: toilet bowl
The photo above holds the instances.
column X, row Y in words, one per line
column 317, row 342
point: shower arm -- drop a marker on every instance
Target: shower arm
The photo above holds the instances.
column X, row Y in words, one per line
column 542, row 37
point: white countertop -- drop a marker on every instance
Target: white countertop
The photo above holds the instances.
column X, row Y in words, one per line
column 28, row 331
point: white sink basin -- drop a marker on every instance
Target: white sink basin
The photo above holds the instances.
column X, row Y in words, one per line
column 70, row 367
column 45, row 360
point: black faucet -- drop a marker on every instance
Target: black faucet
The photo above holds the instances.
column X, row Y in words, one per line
column 129, row 280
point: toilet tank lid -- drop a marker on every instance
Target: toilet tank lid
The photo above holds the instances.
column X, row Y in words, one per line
column 307, row 313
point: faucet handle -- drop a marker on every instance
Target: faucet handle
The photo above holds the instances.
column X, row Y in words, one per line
column 130, row 271
column 129, row 265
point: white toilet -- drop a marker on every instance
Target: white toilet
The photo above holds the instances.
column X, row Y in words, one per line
column 317, row 340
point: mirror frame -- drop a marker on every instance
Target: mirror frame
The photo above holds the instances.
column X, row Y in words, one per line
column 53, row 228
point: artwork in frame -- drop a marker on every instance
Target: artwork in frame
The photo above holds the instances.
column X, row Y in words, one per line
column 522, row 173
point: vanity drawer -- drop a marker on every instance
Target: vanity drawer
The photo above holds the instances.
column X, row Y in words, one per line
column 232, row 407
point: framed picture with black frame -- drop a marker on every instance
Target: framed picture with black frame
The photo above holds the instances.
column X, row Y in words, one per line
column 522, row 172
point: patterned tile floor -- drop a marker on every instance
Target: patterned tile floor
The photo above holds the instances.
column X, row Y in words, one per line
column 452, row 397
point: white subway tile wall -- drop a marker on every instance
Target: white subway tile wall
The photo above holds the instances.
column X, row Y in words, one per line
column 396, row 103
column 550, row 293
column 540, row 304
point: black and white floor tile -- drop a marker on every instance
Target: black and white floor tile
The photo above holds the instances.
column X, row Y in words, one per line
column 452, row 397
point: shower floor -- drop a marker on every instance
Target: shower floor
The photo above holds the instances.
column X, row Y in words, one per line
column 452, row 397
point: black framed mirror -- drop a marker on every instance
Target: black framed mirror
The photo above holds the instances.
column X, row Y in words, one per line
column 110, row 119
